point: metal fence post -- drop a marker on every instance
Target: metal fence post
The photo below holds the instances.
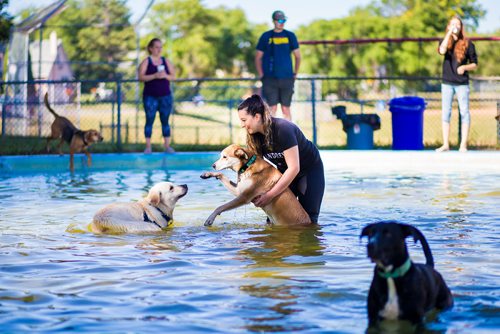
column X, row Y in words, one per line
column 172, row 118
column 230, row 107
column 313, row 105
column 3, row 113
column 113, row 126
column 498, row 122
column 119, row 114
column 459, row 127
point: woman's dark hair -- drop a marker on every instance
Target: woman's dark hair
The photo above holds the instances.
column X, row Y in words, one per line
column 152, row 42
column 256, row 105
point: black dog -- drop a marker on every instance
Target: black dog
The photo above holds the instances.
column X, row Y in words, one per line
column 401, row 289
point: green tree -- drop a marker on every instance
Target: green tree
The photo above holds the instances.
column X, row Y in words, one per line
column 5, row 22
column 182, row 25
column 488, row 55
column 433, row 13
column 383, row 19
column 5, row 25
column 97, row 35
column 202, row 40
column 235, row 37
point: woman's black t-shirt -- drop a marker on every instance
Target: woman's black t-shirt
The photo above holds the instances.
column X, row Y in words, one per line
column 285, row 135
column 450, row 65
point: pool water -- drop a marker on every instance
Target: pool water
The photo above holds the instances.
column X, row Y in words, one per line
column 239, row 276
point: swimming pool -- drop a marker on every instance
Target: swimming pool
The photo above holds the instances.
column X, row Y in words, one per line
column 238, row 276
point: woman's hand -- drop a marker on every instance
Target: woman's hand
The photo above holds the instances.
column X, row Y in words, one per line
column 461, row 70
column 450, row 30
column 293, row 162
column 161, row 75
column 262, row 200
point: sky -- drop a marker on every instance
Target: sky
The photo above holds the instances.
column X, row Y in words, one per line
column 299, row 12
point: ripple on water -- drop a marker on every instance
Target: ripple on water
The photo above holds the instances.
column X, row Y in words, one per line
column 239, row 275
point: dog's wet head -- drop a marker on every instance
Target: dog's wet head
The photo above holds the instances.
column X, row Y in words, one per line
column 93, row 136
column 167, row 193
column 386, row 243
column 231, row 157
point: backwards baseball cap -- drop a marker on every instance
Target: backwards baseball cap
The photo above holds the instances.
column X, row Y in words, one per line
column 279, row 15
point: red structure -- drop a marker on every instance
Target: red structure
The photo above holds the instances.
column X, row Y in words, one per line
column 390, row 40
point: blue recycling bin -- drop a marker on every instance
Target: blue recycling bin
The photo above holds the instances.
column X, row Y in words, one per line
column 360, row 136
column 407, row 122
column 359, row 128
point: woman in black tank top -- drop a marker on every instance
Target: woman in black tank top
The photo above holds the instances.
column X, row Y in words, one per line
column 156, row 72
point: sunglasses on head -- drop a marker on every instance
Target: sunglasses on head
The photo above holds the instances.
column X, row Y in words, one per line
column 281, row 21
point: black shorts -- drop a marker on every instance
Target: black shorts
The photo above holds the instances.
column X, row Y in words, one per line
column 278, row 91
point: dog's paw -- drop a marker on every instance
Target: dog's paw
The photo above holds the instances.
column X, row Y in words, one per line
column 210, row 220
column 206, row 175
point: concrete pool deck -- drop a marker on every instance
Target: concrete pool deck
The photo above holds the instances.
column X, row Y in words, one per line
column 370, row 162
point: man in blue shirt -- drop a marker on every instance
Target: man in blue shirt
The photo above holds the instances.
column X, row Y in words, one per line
column 274, row 64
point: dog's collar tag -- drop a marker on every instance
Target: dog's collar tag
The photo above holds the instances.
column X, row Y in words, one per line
column 398, row 272
column 248, row 164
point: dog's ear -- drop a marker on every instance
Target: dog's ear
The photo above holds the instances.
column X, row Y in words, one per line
column 409, row 230
column 87, row 135
column 154, row 197
column 367, row 230
column 418, row 236
column 241, row 154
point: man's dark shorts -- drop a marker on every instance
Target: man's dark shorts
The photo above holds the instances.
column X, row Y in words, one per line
column 278, row 91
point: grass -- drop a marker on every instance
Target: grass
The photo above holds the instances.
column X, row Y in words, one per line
column 212, row 127
column 13, row 145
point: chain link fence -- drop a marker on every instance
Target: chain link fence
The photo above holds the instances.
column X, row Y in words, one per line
column 205, row 109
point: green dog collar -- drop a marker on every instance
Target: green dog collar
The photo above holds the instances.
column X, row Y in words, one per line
column 398, row 272
column 248, row 164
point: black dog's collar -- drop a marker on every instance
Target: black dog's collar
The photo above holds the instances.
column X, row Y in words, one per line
column 248, row 164
column 398, row 272
column 165, row 216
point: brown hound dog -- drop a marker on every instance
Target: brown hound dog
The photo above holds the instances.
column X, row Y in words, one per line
column 255, row 177
column 78, row 140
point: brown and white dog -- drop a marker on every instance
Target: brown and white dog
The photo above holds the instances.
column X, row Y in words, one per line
column 78, row 140
column 255, row 177
column 151, row 214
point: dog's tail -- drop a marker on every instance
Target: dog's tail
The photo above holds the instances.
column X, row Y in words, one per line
column 429, row 260
column 418, row 236
column 46, row 100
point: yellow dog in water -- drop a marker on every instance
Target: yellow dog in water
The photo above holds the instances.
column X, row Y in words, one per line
column 151, row 214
